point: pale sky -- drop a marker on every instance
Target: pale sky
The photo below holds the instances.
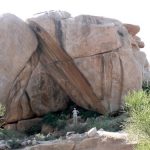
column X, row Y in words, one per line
column 127, row 11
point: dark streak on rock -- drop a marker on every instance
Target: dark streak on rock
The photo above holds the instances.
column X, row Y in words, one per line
column 58, row 32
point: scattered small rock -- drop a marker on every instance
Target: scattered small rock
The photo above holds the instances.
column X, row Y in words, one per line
column 116, row 135
column 29, row 142
column 92, row 132
column 4, row 146
column 69, row 133
column 24, row 143
column 76, row 137
column 2, row 142
column 9, row 141
column 34, row 142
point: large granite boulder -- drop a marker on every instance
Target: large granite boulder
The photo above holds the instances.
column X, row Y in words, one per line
column 17, row 44
column 95, row 61
column 19, row 64
column 90, row 57
column 18, row 57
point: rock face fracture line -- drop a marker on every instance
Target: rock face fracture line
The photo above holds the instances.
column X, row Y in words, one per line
column 17, row 90
column 70, row 70
column 53, row 70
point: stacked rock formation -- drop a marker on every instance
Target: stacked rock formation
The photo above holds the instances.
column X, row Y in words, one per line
column 93, row 61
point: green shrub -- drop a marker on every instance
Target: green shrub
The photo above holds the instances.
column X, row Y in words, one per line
column 14, row 144
column 136, row 101
column 138, row 106
column 87, row 113
column 55, row 120
column 104, row 122
column 61, row 124
column 10, row 134
column 50, row 119
column 107, row 123
column 143, row 145
column 2, row 110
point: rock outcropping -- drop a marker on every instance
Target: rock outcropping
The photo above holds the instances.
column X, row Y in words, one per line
column 93, row 60
column 90, row 57
column 18, row 58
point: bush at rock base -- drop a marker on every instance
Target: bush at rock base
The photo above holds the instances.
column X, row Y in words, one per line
column 63, row 121
column 107, row 123
column 14, row 144
column 138, row 106
column 54, row 120
column 10, row 134
column 34, row 129
column 2, row 110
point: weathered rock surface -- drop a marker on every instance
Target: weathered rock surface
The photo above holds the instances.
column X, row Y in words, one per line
column 140, row 56
column 40, row 96
column 83, row 38
column 12, row 126
column 132, row 29
column 44, row 93
column 91, row 59
column 17, row 44
column 25, row 125
column 18, row 104
column 18, row 60
column 54, row 146
column 92, row 132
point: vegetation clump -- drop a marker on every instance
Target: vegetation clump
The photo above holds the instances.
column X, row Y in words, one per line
column 2, row 110
column 55, row 120
column 107, row 123
column 10, row 134
column 86, row 120
column 138, row 107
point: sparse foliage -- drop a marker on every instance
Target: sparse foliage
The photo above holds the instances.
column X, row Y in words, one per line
column 79, row 128
column 2, row 110
column 10, row 134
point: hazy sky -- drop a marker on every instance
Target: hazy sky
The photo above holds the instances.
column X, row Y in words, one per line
column 127, row 11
